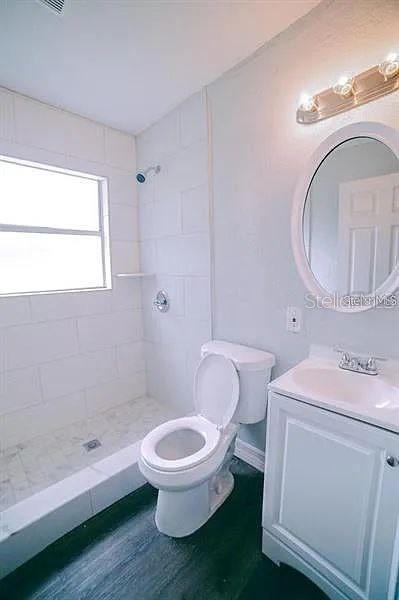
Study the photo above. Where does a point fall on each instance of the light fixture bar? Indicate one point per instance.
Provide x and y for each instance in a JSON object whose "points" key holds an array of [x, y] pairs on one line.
{"points": [[350, 92]]}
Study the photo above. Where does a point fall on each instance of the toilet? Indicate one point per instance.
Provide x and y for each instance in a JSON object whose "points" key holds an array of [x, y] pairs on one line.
{"points": [[188, 459]]}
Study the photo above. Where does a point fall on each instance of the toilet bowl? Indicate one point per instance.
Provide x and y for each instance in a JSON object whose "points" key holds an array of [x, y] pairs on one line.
{"points": [[188, 459]]}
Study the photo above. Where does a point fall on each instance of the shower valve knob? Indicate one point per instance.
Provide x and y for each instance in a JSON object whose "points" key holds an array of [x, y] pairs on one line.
{"points": [[392, 461], [161, 301]]}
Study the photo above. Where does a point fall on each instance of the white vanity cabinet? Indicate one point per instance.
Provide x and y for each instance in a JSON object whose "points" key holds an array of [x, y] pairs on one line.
{"points": [[331, 499]]}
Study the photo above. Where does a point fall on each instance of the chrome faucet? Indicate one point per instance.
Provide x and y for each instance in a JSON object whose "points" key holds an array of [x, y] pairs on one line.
{"points": [[358, 364]]}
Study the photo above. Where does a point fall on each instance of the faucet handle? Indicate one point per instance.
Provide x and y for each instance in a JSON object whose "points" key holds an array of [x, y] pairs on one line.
{"points": [[378, 358], [345, 354], [372, 361], [371, 364]]}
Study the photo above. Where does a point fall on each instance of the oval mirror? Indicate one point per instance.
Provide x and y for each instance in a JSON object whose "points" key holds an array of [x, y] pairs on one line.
{"points": [[350, 225]]}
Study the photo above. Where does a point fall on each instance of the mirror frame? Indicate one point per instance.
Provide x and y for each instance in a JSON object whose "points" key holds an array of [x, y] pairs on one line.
{"points": [[380, 132]]}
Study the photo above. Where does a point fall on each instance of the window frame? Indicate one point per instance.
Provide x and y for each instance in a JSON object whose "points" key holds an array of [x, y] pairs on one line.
{"points": [[103, 229]]}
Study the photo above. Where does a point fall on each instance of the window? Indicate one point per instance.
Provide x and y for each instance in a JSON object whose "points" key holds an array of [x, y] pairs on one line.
{"points": [[52, 229]]}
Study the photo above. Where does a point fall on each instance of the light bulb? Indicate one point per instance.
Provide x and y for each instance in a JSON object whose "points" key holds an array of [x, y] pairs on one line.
{"points": [[344, 86], [390, 66], [308, 103]]}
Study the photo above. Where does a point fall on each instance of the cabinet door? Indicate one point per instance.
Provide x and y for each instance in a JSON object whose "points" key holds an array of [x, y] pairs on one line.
{"points": [[331, 496]]}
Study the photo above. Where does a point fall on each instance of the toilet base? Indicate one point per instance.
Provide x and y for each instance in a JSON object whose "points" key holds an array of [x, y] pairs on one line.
{"points": [[225, 488], [180, 513]]}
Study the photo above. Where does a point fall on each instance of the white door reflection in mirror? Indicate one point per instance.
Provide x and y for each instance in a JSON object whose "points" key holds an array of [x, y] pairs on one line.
{"points": [[368, 233]]}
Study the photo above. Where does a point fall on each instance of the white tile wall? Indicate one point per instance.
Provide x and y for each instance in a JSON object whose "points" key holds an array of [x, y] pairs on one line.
{"points": [[25, 424], [174, 244], [39, 125], [130, 358], [148, 260], [74, 304], [6, 115], [123, 223], [65, 356], [167, 379], [14, 310], [184, 255], [84, 138], [120, 149], [126, 293], [72, 374], [124, 257], [33, 344], [193, 117], [18, 389], [115, 392], [161, 218], [198, 301], [159, 141], [105, 331], [195, 210], [188, 168], [122, 187]]}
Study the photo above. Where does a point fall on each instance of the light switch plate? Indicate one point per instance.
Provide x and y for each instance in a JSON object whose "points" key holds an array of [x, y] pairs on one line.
{"points": [[294, 319]]}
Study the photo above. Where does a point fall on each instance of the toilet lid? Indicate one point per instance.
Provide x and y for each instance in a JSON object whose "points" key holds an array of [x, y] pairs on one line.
{"points": [[216, 389]]}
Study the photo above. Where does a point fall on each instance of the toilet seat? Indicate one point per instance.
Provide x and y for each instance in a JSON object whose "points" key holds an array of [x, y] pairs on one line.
{"points": [[205, 428], [216, 393]]}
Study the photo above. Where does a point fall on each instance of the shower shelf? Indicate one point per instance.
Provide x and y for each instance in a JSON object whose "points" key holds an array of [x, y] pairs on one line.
{"points": [[134, 275]]}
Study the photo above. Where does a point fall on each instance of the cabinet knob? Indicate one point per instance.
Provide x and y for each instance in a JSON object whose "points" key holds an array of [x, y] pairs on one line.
{"points": [[392, 461]]}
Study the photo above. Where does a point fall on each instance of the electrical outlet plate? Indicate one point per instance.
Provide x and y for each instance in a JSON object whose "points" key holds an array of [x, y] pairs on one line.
{"points": [[294, 319]]}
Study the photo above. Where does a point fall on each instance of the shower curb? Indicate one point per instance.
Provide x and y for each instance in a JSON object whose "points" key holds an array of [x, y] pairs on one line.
{"points": [[31, 525]]}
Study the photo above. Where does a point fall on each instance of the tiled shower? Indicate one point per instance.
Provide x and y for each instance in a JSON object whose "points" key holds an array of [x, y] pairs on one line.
{"points": [[86, 374], [72, 365]]}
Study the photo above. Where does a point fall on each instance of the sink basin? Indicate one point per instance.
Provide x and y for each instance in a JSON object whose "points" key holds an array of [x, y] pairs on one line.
{"points": [[319, 381], [344, 386]]}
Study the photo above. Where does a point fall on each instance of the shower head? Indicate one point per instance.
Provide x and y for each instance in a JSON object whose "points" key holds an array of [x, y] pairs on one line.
{"points": [[141, 176]]}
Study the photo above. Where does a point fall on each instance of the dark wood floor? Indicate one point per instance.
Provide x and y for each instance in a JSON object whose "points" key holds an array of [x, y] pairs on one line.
{"points": [[119, 554]]}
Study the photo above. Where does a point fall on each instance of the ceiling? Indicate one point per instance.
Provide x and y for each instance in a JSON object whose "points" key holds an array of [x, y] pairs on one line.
{"points": [[126, 63]]}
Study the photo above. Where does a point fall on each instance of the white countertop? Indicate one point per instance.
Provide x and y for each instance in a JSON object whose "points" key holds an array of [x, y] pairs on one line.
{"points": [[318, 381]]}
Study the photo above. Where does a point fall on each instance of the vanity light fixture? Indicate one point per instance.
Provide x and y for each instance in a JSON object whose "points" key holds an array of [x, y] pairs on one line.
{"points": [[351, 91], [390, 66], [344, 86], [308, 103]]}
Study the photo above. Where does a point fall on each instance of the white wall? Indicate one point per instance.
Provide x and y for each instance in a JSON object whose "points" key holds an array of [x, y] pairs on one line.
{"points": [[174, 230], [259, 151], [67, 356]]}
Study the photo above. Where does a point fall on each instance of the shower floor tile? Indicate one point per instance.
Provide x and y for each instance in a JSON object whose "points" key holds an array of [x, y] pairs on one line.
{"points": [[34, 465]]}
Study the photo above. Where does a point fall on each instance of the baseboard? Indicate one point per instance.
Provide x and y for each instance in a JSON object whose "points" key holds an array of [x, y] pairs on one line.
{"points": [[250, 454]]}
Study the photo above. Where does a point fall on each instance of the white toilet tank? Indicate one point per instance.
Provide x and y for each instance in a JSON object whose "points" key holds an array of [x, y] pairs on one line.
{"points": [[254, 369]]}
